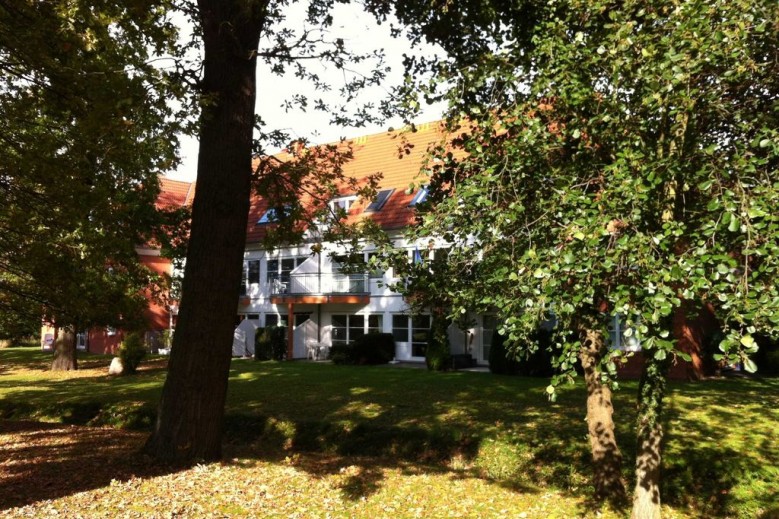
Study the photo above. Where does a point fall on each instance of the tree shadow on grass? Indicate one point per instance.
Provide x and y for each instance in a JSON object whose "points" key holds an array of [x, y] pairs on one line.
{"points": [[358, 423], [721, 457], [46, 461]]}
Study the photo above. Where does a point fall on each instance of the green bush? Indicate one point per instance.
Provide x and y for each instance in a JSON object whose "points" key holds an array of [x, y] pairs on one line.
{"points": [[767, 356], [343, 353], [373, 348], [270, 343], [131, 352], [500, 363], [438, 355], [538, 363]]}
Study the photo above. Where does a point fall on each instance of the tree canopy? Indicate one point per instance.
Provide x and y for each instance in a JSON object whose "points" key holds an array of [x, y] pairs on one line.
{"points": [[620, 159], [87, 127]]}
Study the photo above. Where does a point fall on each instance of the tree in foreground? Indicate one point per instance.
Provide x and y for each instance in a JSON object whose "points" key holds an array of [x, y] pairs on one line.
{"points": [[624, 161], [190, 414], [86, 131]]}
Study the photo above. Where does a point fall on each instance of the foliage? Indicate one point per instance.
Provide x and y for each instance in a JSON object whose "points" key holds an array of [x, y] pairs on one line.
{"points": [[438, 355], [166, 338], [19, 326], [501, 361], [87, 130], [131, 352], [767, 356], [620, 158], [371, 348], [270, 343]]}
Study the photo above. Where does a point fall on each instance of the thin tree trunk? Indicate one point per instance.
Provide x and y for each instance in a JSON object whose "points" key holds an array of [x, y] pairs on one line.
{"points": [[646, 496], [65, 350], [606, 457], [191, 411]]}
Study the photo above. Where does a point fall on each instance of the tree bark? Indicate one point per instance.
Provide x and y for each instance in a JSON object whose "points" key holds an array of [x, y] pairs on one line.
{"points": [[65, 350], [191, 411], [651, 389], [606, 456]]}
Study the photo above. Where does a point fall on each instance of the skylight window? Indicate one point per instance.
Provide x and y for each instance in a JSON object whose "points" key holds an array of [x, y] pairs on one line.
{"points": [[381, 199], [273, 215], [420, 197]]}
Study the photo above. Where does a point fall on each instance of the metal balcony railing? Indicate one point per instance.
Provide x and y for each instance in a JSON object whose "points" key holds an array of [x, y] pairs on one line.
{"points": [[318, 284]]}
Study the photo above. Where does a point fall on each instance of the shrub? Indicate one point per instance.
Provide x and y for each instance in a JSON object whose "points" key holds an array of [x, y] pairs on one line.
{"points": [[131, 352], [373, 348], [438, 355], [262, 344], [500, 363], [343, 353], [538, 363], [166, 338], [270, 343], [376, 348], [767, 356]]}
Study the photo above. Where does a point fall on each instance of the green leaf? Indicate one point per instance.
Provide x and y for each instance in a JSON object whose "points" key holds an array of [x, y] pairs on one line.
{"points": [[749, 365], [660, 354], [747, 341], [735, 224]]}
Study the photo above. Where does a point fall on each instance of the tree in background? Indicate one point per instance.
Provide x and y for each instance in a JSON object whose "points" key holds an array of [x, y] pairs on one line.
{"points": [[86, 129], [620, 159]]}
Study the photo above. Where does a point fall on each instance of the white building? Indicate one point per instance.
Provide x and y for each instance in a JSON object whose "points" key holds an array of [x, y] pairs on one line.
{"points": [[321, 304]]}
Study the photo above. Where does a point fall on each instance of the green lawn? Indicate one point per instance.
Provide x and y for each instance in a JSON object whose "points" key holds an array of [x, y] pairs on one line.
{"points": [[499, 435]]}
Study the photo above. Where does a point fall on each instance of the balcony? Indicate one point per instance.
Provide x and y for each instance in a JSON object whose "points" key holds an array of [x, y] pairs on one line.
{"points": [[319, 287]]}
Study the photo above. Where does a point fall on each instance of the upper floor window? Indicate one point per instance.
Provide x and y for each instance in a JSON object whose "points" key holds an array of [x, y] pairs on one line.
{"points": [[251, 274], [341, 204], [420, 197], [280, 269]]}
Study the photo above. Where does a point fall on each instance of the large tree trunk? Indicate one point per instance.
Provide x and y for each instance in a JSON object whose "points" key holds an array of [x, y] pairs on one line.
{"points": [[646, 496], [606, 457], [65, 350], [190, 414]]}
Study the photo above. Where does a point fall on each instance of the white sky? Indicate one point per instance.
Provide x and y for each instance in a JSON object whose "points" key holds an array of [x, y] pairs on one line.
{"points": [[361, 34]]}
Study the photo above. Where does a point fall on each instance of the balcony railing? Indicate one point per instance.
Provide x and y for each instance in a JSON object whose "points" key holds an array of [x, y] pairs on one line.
{"points": [[318, 284]]}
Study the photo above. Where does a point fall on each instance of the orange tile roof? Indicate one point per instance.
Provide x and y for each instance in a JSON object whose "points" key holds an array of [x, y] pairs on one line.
{"points": [[397, 155], [175, 193]]}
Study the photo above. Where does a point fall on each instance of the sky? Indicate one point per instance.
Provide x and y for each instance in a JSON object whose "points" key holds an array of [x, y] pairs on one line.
{"points": [[361, 34]]}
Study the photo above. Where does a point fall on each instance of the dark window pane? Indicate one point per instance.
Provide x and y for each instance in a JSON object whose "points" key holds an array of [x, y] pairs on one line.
{"points": [[339, 320], [420, 321], [356, 321], [254, 271], [273, 269]]}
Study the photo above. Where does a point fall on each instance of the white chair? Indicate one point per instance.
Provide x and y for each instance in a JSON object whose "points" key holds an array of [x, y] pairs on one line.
{"points": [[279, 287], [312, 349]]}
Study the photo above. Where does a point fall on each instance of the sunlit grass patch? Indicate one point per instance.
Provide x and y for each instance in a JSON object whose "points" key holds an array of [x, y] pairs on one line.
{"points": [[315, 439]]}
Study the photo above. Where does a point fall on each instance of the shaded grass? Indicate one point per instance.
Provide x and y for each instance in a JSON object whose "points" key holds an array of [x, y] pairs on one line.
{"points": [[721, 456]]}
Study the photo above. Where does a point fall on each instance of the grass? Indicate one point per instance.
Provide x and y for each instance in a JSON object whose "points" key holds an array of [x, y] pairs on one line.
{"points": [[362, 441]]}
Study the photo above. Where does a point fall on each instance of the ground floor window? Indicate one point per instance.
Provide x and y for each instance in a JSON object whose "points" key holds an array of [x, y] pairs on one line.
{"points": [[348, 328], [622, 337], [276, 320], [412, 329]]}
